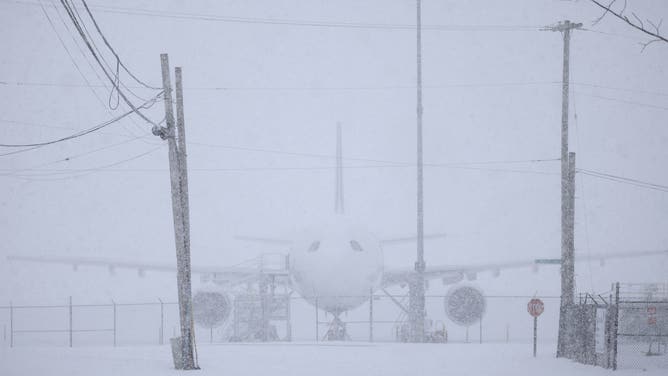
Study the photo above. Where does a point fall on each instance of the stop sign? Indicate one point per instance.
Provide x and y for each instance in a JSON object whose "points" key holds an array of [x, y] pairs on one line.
{"points": [[535, 307]]}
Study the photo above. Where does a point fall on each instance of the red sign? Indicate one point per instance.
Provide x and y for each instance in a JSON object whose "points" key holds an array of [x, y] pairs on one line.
{"points": [[535, 307]]}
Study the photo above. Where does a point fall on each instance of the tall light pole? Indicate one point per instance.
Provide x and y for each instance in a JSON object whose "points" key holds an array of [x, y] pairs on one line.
{"points": [[416, 287]]}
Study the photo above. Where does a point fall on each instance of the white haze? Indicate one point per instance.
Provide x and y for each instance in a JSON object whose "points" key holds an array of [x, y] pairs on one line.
{"points": [[489, 95]]}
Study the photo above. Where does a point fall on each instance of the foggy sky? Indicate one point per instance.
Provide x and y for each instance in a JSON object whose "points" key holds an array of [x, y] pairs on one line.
{"points": [[490, 95]]}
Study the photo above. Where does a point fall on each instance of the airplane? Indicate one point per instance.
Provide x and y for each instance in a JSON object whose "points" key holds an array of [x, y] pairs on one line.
{"points": [[334, 265]]}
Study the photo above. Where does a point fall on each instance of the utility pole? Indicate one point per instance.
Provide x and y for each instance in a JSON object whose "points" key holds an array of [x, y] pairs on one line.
{"points": [[175, 136], [416, 286], [567, 233]]}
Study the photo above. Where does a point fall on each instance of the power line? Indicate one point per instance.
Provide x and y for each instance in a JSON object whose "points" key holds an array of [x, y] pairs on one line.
{"points": [[623, 180], [84, 172], [296, 22], [346, 88], [83, 132], [97, 27], [624, 101], [74, 156], [329, 156], [307, 168], [79, 23], [49, 126], [82, 33], [62, 42]]}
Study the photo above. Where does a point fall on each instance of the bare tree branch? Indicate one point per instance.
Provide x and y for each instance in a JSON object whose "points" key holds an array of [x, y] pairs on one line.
{"points": [[638, 24], [607, 9]]}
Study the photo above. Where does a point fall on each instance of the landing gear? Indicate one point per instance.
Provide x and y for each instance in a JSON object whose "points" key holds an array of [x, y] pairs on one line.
{"points": [[336, 331]]}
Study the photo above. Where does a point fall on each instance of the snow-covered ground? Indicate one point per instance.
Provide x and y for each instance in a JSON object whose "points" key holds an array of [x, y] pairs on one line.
{"points": [[310, 359]]}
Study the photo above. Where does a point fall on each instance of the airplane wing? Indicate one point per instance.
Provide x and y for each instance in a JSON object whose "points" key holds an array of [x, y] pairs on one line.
{"points": [[247, 271], [451, 274]]}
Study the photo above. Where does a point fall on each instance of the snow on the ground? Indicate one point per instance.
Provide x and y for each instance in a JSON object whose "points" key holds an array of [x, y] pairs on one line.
{"points": [[323, 359]]}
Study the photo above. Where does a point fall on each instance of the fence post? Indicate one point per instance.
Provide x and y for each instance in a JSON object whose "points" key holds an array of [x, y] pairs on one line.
{"points": [[161, 336], [70, 326], [114, 305], [535, 334], [11, 324], [289, 323], [615, 328], [316, 319], [371, 315]]}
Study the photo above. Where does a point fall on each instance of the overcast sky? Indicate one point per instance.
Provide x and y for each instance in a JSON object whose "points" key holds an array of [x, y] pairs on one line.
{"points": [[266, 82]]}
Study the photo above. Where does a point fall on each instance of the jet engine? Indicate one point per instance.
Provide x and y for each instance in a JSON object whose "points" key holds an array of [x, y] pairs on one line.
{"points": [[211, 308], [464, 305]]}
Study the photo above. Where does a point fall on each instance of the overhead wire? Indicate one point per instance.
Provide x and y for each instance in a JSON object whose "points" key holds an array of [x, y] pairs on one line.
{"points": [[87, 60], [354, 88], [118, 59], [296, 22], [84, 132], [117, 83], [84, 172], [307, 168], [82, 33], [623, 180], [62, 43]]}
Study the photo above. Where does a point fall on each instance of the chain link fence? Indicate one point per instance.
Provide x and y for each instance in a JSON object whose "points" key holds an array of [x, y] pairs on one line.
{"points": [[642, 337], [625, 328], [380, 318]]}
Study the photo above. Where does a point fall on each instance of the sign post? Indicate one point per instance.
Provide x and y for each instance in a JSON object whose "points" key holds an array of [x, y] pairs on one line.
{"points": [[535, 307]]}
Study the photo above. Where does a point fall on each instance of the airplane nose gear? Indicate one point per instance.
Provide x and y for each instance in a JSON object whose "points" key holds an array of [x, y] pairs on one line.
{"points": [[336, 331]]}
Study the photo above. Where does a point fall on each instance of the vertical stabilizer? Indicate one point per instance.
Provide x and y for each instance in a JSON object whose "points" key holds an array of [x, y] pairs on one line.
{"points": [[338, 205]]}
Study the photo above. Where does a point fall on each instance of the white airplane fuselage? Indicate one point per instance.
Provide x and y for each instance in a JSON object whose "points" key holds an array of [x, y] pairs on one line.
{"points": [[336, 265]]}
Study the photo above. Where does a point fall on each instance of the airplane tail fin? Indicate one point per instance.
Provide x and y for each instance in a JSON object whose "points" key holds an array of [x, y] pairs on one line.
{"points": [[338, 203]]}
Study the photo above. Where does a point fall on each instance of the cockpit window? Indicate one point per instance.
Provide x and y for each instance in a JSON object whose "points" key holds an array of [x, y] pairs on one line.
{"points": [[356, 246], [314, 246]]}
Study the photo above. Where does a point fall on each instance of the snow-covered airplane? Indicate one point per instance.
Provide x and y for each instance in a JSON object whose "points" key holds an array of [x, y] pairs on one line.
{"points": [[335, 264]]}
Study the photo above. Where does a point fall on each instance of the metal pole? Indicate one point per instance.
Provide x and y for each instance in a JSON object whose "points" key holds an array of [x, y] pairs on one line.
{"points": [[114, 305], [507, 333], [615, 328], [180, 235], [70, 327], [416, 288], [289, 322], [162, 322], [264, 309], [371, 315], [480, 330], [316, 320], [535, 334]]}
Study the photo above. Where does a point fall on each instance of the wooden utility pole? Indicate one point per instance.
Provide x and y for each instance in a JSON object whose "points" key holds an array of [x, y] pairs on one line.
{"points": [[567, 233], [175, 136]]}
